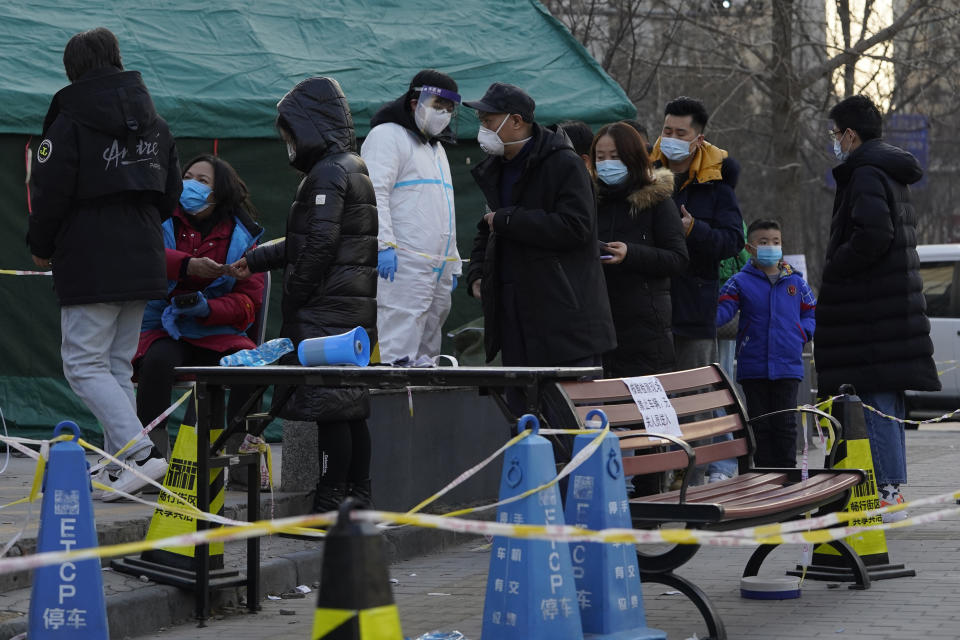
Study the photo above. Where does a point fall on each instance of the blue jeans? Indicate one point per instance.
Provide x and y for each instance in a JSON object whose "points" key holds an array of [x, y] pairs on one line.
{"points": [[887, 440], [699, 352]]}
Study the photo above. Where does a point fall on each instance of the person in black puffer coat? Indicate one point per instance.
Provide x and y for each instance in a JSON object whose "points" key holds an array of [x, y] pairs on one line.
{"points": [[329, 257], [872, 327], [105, 177], [644, 247]]}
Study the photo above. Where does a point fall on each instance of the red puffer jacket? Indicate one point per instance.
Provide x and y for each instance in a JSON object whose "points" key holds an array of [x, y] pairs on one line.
{"points": [[237, 308]]}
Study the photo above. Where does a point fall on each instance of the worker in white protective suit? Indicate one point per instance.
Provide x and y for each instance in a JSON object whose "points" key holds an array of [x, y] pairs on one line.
{"points": [[418, 259]]}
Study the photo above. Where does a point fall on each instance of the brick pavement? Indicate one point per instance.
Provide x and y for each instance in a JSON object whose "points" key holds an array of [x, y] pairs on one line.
{"points": [[445, 591]]}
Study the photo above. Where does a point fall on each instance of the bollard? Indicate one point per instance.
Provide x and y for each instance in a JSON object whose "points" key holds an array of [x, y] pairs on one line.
{"points": [[66, 600], [355, 601], [607, 575], [853, 452], [531, 594]]}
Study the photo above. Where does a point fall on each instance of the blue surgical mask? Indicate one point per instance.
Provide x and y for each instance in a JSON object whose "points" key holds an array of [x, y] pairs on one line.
{"points": [[839, 152], [769, 255], [612, 171], [675, 149], [193, 200]]}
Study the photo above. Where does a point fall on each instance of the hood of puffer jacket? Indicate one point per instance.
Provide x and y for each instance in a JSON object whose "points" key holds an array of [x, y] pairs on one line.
{"points": [[108, 100], [652, 194], [707, 165], [317, 114], [900, 165]]}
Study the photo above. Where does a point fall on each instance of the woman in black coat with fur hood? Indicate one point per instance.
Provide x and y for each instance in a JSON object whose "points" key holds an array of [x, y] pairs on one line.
{"points": [[642, 247]]}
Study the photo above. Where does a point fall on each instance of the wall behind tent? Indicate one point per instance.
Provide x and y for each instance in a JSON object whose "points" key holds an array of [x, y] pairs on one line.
{"points": [[33, 393]]}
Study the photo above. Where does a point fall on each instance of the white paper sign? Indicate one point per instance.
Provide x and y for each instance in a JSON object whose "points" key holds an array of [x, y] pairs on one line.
{"points": [[659, 416]]}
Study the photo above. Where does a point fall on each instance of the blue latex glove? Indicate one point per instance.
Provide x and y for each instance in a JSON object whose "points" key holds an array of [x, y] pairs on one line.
{"points": [[453, 287], [169, 321], [199, 310], [387, 263]]}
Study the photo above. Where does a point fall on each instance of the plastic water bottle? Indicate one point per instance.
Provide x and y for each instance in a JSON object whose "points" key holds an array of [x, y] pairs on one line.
{"points": [[265, 354], [442, 635]]}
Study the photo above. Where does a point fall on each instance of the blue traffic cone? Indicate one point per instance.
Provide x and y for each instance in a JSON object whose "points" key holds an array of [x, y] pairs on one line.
{"points": [[607, 576], [530, 588], [352, 347], [67, 599]]}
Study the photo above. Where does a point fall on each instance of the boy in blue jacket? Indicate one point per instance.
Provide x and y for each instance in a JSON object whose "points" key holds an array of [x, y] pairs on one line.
{"points": [[776, 320]]}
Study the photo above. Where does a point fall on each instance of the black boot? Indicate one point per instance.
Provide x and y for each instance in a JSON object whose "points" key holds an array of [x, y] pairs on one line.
{"points": [[362, 492], [328, 496]]}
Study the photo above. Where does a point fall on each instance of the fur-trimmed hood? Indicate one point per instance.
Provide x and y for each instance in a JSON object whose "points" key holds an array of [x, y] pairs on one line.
{"points": [[652, 194]]}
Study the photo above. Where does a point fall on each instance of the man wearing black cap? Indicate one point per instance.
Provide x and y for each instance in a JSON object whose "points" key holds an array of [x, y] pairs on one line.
{"points": [[535, 263]]}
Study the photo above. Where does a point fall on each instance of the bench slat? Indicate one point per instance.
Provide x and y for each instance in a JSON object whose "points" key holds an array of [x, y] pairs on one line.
{"points": [[839, 483], [712, 492], [784, 492], [670, 460], [691, 432], [614, 389], [753, 495], [627, 414]]}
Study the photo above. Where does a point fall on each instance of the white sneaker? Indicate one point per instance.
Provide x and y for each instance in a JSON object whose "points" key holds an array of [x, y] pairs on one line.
{"points": [[717, 476], [128, 482], [102, 477]]}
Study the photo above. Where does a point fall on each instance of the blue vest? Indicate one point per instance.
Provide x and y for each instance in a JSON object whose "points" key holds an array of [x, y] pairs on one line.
{"points": [[241, 241]]}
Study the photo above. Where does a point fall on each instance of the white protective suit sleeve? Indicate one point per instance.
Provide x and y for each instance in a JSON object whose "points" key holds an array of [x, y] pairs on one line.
{"points": [[382, 154]]}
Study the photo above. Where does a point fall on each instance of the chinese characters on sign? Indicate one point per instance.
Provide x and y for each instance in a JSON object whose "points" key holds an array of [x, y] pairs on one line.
{"points": [[659, 416]]}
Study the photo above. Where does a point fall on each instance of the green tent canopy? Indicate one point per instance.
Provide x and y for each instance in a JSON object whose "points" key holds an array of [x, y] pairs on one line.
{"points": [[216, 72]]}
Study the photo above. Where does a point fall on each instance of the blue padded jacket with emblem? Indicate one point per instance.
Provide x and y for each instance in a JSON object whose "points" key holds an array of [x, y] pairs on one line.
{"points": [[776, 320]]}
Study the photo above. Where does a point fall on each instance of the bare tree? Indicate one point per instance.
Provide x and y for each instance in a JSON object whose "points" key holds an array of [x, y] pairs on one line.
{"points": [[769, 71]]}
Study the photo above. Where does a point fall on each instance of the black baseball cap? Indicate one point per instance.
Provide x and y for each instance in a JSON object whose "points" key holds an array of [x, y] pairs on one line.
{"points": [[505, 98]]}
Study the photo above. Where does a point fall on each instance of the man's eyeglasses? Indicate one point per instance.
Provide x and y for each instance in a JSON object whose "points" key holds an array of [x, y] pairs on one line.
{"points": [[834, 133]]}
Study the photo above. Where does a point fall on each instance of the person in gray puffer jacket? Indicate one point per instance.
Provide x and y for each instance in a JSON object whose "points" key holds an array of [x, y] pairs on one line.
{"points": [[329, 258]]}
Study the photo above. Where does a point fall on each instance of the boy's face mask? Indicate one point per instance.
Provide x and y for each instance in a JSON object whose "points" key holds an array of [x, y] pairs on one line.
{"points": [[769, 255]]}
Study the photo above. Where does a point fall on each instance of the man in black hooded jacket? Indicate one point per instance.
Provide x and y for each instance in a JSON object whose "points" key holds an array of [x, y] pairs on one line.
{"points": [[105, 176], [535, 263], [872, 327]]}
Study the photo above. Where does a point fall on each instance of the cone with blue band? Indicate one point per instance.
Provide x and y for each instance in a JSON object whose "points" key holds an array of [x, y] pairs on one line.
{"points": [[67, 600], [607, 575], [531, 594]]}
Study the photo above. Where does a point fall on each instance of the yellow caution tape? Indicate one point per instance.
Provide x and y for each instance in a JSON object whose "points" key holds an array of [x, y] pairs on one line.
{"points": [[428, 256], [19, 272], [748, 537]]}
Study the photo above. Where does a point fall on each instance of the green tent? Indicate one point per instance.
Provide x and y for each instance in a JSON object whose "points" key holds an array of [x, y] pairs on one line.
{"points": [[216, 72]]}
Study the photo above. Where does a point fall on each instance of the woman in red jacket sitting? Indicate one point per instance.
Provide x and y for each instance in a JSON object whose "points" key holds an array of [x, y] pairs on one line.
{"points": [[207, 312]]}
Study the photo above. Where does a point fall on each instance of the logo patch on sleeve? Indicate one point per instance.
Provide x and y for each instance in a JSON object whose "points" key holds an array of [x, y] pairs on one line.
{"points": [[321, 199], [44, 151]]}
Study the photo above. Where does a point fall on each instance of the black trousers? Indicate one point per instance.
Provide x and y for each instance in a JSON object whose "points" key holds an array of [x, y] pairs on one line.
{"points": [[156, 378], [777, 435], [343, 452]]}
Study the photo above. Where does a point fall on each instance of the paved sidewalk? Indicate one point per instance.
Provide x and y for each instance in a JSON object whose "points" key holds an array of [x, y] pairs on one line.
{"points": [[445, 591]]}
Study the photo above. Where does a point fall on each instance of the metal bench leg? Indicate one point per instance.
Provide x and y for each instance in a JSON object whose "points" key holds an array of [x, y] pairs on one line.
{"points": [[696, 595], [756, 559], [855, 562]]}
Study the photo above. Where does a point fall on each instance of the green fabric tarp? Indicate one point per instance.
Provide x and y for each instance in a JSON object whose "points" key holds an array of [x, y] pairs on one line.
{"points": [[216, 72], [218, 69]]}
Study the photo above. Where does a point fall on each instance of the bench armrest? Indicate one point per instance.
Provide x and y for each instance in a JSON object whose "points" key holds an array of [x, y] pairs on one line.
{"points": [[687, 449]]}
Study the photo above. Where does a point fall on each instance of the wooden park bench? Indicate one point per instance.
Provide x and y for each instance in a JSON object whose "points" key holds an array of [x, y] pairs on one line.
{"points": [[707, 405]]}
